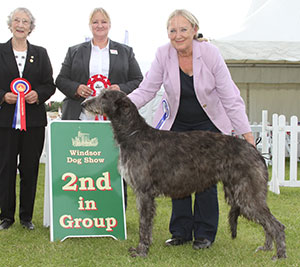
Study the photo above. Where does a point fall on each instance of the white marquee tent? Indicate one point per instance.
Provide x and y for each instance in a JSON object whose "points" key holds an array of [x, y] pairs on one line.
{"points": [[264, 58]]}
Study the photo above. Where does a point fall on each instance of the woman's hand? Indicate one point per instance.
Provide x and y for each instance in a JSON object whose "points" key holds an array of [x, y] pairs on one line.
{"points": [[249, 138], [84, 91], [10, 98], [32, 97], [114, 87]]}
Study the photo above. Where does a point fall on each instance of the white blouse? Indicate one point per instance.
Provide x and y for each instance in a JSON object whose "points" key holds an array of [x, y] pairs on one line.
{"points": [[99, 61], [99, 64], [20, 59]]}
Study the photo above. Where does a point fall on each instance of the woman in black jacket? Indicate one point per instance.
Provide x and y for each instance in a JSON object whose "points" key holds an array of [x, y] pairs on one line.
{"points": [[25, 69]]}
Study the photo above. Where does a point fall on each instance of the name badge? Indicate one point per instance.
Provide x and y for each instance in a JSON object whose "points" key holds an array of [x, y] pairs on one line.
{"points": [[114, 51]]}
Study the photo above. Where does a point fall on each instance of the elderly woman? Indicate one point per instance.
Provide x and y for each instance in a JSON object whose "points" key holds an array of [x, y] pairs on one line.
{"points": [[20, 59], [199, 95], [102, 56]]}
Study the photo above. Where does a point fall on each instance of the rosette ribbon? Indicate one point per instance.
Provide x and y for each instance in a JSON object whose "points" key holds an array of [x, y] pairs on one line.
{"points": [[20, 87], [97, 83]]}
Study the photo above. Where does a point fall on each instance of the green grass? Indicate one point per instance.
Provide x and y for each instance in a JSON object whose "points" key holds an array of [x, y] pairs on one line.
{"points": [[19, 247]]}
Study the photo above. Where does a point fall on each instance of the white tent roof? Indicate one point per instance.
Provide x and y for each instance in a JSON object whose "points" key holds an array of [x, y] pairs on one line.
{"points": [[271, 32]]}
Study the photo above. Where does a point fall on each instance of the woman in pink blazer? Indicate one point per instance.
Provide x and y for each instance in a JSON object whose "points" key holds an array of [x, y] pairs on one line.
{"points": [[199, 95]]}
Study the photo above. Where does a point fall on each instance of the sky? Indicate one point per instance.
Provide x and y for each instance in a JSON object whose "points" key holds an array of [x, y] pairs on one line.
{"points": [[64, 23]]}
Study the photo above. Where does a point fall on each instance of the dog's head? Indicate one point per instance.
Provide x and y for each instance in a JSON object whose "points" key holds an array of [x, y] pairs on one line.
{"points": [[108, 103]]}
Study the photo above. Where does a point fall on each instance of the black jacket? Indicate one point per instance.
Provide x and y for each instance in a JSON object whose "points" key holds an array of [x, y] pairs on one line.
{"points": [[123, 70], [38, 71]]}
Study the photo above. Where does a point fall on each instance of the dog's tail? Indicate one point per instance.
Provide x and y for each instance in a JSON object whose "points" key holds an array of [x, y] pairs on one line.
{"points": [[233, 218]]}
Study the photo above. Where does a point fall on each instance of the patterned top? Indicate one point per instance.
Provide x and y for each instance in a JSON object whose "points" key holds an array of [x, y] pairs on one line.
{"points": [[20, 59]]}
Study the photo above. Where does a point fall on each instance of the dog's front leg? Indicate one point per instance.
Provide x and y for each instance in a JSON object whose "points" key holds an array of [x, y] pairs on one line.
{"points": [[146, 207]]}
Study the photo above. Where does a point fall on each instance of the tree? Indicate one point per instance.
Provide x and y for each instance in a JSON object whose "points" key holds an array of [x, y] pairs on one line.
{"points": [[53, 106]]}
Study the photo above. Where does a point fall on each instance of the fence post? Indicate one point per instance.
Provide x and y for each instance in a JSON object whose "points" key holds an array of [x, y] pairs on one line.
{"points": [[293, 148], [281, 148], [274, 183], [264, 133]]}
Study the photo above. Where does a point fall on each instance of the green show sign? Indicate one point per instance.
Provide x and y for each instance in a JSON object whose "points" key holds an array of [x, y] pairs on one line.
{"points": [[86, 190]]}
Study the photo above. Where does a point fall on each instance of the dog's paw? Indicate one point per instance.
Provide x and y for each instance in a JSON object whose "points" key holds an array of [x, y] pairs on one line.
{"points": [[279, 256], [263, 248], [132, 252], [131, 249], [274, 258], [136, 252]]}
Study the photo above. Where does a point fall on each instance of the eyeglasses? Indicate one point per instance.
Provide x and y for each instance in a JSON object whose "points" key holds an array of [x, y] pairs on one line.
{"points": [[183, 31], [24, 21]]}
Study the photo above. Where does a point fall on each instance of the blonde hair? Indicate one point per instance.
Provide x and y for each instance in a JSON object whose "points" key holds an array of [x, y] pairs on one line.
{"points": [[101, 10], [189, 16]]}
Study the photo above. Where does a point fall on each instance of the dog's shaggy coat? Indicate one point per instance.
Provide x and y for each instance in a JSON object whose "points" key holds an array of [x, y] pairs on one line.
{"points": [[156, 162]]}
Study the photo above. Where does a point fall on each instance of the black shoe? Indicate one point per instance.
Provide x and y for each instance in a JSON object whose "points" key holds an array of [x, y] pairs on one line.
{"points": [[28, 225], [175, 241], [5, 224], [201, 243]]}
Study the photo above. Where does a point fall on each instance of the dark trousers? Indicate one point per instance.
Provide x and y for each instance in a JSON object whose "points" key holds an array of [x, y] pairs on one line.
{"points": [[203, 222], [29, 146]]}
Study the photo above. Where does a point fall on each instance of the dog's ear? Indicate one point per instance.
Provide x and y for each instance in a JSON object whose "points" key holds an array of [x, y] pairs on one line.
{"points": [[123, 105], [122, 102]]}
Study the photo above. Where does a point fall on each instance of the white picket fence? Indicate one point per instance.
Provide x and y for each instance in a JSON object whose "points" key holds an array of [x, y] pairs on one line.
{"points": [[279, 141]]}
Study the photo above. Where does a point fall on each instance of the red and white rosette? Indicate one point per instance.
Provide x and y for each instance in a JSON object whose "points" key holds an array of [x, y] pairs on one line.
{"points": [[20, 87], [97, 83]]}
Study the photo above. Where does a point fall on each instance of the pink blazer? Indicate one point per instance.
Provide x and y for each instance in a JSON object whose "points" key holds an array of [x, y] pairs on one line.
{"points": [[215, 90]]}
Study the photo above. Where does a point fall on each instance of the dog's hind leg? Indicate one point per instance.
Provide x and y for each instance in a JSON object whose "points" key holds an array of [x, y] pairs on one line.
{"points": [[268, 240], [146, 207], [274, 230], [280, 240], [233, 218]]}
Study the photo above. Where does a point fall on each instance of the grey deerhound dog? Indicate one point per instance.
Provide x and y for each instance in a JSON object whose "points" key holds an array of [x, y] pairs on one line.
{"points": [[177, 164]]}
